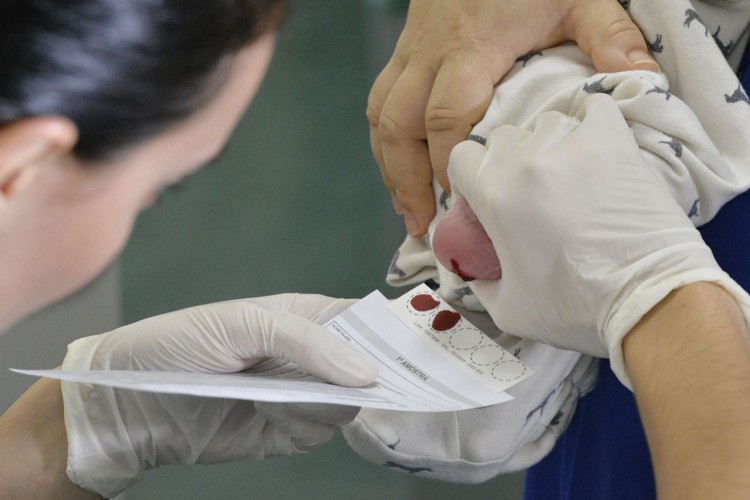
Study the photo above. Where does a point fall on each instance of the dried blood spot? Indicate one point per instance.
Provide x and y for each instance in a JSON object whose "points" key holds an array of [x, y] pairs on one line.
{"points": [[445, 320], [424, 302]]}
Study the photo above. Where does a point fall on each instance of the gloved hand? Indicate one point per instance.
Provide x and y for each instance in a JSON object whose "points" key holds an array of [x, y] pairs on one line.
{"points": [[115, 434], [589, 237]]}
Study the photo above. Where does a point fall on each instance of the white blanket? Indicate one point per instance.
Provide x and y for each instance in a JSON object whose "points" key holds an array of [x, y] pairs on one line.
{"points": [[693, 124]]}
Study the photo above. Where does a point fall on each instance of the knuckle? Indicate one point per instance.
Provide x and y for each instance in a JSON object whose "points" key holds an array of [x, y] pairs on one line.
{"points": [[621, 28], [539, 165], [411, 194], [442, 118], [389, 128]]}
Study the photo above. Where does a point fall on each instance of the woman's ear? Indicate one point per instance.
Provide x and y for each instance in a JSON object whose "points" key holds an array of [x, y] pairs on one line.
{"points": [[29, 142]]}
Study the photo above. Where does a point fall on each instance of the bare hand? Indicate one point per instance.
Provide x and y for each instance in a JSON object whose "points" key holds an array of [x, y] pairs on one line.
{"points": [[440, 79]]}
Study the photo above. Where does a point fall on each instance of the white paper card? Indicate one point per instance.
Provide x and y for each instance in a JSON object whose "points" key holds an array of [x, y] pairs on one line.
{"points": [[415, 374], [432, 318]]}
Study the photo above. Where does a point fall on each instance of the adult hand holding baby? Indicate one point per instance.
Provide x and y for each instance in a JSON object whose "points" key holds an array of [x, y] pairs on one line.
{"points": [[440, 79]]}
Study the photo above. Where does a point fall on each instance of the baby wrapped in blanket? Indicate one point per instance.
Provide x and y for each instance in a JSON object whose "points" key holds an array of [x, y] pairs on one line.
{"points": [[692, 123]]}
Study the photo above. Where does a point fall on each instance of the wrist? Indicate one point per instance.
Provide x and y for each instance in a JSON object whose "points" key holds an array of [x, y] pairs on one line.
{"points": [[689, 361], [35, 448]]}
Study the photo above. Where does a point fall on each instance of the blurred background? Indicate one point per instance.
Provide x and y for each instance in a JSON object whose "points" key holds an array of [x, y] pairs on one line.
{"points": [[296, 204]]}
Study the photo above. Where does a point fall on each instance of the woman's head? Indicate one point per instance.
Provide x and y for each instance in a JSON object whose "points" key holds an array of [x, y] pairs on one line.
{"points": [[120, 70], [103, 103]]}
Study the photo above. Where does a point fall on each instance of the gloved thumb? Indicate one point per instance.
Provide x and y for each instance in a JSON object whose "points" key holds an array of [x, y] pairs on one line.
{"points": [[605, 32], [317, 308], [315, 350]]}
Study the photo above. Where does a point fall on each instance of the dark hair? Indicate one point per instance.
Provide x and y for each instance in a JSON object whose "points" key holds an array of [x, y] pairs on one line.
{"points": [[121, 70]]}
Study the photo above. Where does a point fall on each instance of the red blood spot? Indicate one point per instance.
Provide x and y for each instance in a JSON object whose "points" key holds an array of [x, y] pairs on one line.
{"points": [[457, 270], [445, 320], [424, 302]]}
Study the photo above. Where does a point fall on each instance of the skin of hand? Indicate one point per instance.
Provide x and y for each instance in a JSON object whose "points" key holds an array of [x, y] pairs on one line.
{"points": [[34, 447], [689, 361], [440, 79]]}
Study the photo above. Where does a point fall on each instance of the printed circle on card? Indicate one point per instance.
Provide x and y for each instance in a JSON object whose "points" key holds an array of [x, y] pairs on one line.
{"points": [[465, 339], [509, 370], [487, 355]]}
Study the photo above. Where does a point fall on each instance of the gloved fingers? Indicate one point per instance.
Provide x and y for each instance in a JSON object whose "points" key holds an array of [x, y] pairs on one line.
{"points": [[187, 340], [317, 308], [505, 140], [464, 167], [232, 336], [292, 433], [503, 146], [599, 113], [550, 129], [311, 347], [477, 173]]}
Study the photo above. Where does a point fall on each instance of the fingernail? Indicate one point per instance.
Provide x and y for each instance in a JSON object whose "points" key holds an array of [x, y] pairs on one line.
{"points": [[412, 226], [640, 59]]}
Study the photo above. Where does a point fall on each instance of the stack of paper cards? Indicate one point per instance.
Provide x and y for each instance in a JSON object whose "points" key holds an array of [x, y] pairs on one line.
{"points": [[430, 359]]}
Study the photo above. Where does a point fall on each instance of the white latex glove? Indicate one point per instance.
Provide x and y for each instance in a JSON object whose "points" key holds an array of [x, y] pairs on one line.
{"points": [[588, 236], [115, 434]]}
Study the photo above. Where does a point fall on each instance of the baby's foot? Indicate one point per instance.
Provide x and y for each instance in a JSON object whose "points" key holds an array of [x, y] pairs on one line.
{"points": [[462, 245]]}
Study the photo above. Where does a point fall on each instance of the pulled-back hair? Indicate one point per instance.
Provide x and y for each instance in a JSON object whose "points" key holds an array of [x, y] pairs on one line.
{"points": [[121, 70]]}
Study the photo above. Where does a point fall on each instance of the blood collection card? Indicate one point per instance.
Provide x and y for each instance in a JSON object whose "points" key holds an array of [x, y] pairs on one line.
{"points": [[427, 315], [429, 359]]}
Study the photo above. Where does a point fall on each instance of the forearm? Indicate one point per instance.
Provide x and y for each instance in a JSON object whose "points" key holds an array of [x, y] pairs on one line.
{"points": [[34, 447], [689, 361]]}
